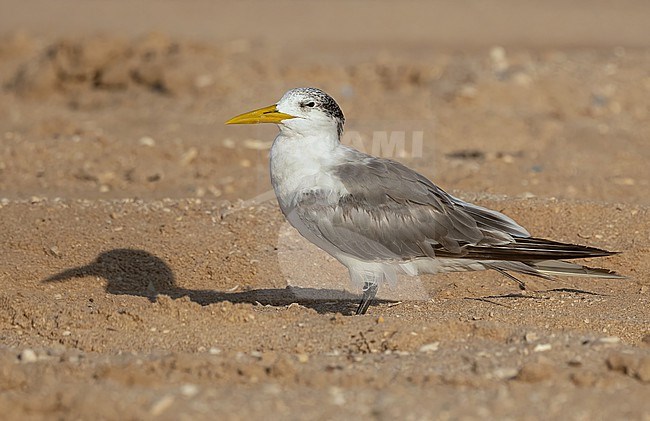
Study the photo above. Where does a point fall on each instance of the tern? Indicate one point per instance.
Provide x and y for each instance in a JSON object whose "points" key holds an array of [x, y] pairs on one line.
{"points": [[381, 219]]}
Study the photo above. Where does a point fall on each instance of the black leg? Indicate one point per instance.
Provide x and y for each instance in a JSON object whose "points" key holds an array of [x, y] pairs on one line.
{"points": [[522, 285], [369, 292]]}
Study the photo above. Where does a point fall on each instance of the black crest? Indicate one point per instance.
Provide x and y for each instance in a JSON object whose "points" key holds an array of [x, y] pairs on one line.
{"points": [[326, 103]]}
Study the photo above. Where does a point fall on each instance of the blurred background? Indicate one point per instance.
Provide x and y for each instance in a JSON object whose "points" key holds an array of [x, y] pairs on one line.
{"points": [[115, 99]]}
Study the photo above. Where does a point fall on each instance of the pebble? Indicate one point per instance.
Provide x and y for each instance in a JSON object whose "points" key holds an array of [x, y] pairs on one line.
{"points": [[430, 347], [189, 390], [624, 181], [54, 251], [542, 347], [531, 337], [498, 58], [468, 91], [609, 340], [28, 355], [522, 79], [337, 395], [147, 141], [203, 81], [161, 405], [189, 156], [505, 373]]}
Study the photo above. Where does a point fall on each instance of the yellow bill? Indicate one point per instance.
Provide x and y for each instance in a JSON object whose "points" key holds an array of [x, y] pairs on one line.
{"points": [[268, 114]]}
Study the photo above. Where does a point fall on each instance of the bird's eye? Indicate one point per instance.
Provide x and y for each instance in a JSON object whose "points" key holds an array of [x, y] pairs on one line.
{"points": [[310, 104]]}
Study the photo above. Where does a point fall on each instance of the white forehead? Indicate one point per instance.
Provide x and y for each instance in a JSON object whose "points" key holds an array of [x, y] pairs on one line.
{"points": [[298, 95], [295, 98]]}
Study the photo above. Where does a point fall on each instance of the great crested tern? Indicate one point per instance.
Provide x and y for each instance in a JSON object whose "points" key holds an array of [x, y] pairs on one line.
{"points": [[381, 219]]}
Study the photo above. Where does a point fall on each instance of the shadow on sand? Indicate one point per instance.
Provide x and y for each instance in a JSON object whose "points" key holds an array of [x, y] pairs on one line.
{"points": [[140, 273]]}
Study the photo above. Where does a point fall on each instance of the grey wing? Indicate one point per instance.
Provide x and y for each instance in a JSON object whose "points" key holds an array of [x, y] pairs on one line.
{"points": [[408, 186], [376, 232], [394, 213]]}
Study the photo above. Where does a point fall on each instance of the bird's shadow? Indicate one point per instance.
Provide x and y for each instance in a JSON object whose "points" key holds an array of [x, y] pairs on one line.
{"points": [[140, 273]]}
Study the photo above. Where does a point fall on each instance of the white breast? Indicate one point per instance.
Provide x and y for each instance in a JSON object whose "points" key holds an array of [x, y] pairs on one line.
{"points": [[304, 164]]}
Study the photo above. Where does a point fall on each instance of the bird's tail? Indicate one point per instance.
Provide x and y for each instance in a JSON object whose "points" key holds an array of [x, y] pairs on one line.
{"points": [[540, 257], [549, 268], [563, 268]]}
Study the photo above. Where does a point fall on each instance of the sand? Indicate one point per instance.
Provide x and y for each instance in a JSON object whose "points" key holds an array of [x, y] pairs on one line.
{"points": [[147, 271]]}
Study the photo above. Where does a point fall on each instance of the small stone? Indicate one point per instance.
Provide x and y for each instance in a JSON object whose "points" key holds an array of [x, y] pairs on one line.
{"points": [[337, 395], [189, 390], [303, 358], [505, 373], [575, 362], [531, 337], [54, 251], [147, 141], [624, 181], [74, 359], [203, 81], [542, 347], [430, 347], [189, 156], [609, 340], [214, 351], [468, 91], [28, 355], [161, 405], [154, 177], [498, 58], [216, 192], [522, 79]]}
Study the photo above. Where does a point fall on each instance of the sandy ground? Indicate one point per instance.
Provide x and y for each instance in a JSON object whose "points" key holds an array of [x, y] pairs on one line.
{"points": [[147, 272]]}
